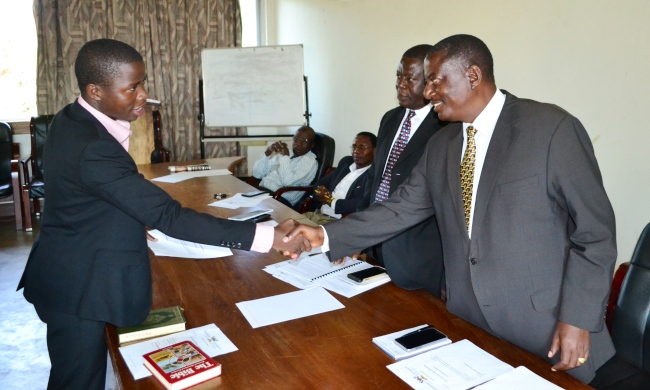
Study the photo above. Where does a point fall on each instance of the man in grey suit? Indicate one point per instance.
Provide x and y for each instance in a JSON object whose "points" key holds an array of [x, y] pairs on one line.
{"points": [[529, 254]]}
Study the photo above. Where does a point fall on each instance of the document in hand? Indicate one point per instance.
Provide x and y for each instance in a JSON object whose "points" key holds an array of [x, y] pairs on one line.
{"points": [[173, 247], [315, 269], [461, 365], [388, 345]]}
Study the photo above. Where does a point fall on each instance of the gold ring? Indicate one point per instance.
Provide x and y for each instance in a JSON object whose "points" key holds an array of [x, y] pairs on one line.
{"points": [[582, 360]]}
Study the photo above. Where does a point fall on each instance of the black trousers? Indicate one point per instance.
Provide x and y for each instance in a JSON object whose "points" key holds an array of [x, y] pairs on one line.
{"points": [[77, 350]]}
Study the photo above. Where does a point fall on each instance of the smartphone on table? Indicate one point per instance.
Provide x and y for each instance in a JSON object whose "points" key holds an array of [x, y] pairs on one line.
{"points": [[420, 338], [253, 193], [366, 275]]}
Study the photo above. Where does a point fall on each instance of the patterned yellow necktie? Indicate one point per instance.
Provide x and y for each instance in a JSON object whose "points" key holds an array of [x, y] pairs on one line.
{"points": [[467, 173]]}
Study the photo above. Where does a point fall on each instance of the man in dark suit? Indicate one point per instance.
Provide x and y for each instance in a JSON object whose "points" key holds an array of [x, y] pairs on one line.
{"points": [[341, 191], [529, 235], [413, 258], [89, 265]]}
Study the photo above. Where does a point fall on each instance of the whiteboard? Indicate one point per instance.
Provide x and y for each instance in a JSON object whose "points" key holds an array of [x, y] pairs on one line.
{"points": [[253, 86]]}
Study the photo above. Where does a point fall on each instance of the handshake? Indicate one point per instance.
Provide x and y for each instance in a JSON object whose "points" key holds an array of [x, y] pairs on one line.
{"points": [[292, 238]]}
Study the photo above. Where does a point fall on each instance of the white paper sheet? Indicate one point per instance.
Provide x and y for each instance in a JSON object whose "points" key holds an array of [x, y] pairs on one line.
{"points": [[181, 176], [520, 378], [458, 366], [236, 201], [387, 344], [173, 247], [209, 338], [289, 306]]}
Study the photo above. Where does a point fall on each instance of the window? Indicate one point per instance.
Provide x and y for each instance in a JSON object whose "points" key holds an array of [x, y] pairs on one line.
{"points": [[18, 61], [249, 20]]}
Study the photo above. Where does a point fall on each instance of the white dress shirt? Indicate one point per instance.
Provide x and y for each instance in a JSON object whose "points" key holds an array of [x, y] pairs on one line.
{"points": [[277, 171], [484, 125], [341, 190]]}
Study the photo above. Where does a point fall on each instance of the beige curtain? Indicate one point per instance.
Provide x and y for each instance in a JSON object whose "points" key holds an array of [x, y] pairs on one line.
{"points": [[169, 34]]}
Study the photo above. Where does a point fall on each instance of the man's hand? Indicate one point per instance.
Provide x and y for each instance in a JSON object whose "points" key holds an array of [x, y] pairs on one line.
{"points": [[151, 238], [289, 248], [341, 261], [323, 195], [314, 235], [573, 344]]}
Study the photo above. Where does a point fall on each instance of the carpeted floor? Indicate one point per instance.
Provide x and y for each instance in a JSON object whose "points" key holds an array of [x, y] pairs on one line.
{"points": [[24, 363]]}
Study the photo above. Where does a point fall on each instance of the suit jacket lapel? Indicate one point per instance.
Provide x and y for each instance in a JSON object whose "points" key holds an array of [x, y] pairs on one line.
{"points": [[454, 150], [500, 144], [422, 135]]}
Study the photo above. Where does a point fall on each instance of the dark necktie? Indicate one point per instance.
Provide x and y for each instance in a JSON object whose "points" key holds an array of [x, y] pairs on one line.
{"points": [[467, 173], [398, 147]]}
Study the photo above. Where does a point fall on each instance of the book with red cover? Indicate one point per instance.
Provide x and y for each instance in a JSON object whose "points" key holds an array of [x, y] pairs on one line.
{"points": [[181, 365]]}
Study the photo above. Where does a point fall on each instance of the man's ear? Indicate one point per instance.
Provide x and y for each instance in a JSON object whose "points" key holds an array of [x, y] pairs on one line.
{"points": [[475, 76], [93, 91]]}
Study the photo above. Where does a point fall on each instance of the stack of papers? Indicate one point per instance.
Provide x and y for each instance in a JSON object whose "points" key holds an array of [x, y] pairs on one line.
{"points": [[181, 176], [461, 365], [314, 269], [236, 201], [209, 338], [387, 344], [173, 247]]}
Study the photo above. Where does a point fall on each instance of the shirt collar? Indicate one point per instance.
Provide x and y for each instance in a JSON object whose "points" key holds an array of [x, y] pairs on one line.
{"points": [[421, 113], [119, 129], [486, 121]]}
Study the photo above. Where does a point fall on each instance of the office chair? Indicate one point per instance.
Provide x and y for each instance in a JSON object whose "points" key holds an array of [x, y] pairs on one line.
{"points": [[160, 153], [33, 184], [324, 148], [9, 176], [630, 367]]}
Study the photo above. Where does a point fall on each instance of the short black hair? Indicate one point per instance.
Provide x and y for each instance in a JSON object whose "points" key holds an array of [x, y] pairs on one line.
{"points": [[418, 52], [373, 138], [99, 60], [309, 131], [469, 50]]}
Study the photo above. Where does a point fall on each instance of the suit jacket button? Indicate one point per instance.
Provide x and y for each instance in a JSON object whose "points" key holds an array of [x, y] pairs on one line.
{"points": [[223, 243], [473, 261]]}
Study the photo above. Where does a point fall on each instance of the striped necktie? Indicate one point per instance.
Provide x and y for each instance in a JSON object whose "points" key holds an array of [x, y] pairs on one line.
{"points": [[398, 147], [467, 173]]}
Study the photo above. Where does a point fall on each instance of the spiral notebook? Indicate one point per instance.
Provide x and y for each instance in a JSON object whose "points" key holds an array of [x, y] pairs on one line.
{"points": [[316, 270]]}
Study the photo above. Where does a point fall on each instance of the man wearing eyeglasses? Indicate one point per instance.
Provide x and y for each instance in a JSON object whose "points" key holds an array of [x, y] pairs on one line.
{"points": [[278, 168], [341, 191]]}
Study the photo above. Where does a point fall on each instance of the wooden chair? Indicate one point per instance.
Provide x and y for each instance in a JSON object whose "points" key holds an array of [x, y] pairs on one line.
{"points": [[9, 175], [145, 143], [33, 184]]}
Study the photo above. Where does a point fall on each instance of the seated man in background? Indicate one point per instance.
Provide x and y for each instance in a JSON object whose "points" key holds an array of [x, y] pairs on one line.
{"points": [[348, 182], [278, 168]]}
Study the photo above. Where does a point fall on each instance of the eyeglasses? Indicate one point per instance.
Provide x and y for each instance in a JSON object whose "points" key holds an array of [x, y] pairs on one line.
{"points": [[298, 140], [360, 147]]}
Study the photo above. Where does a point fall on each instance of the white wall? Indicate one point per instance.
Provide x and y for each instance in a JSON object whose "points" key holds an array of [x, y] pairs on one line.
{"points": [[587, 56]]}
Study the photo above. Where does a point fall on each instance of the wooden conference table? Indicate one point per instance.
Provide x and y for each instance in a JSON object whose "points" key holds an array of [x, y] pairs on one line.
{"points": [[332, 350]]}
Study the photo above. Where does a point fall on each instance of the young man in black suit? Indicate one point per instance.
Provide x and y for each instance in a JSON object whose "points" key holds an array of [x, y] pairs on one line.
{"points": [[89, 265], [341, 191], [413, 258]]}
